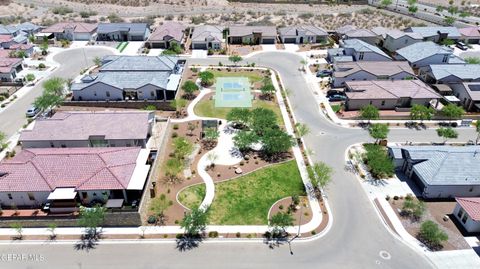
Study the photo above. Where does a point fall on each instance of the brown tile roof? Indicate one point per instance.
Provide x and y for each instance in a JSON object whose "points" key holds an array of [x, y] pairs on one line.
{"points": [[169, 28], [388, 89], [248, 30], [79, 27], [377, 68], [6, 64]]}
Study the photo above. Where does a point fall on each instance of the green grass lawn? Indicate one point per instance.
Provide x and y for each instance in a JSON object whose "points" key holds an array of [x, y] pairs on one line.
{"points": [[246, 200], [252, 76], [206, 108]]}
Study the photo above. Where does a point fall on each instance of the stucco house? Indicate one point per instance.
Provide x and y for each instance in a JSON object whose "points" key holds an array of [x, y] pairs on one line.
{"points": [[73, 31], [34, 176], [131, 78], [470, 35], [302, 34], [395, 40], [207, 37], [427, 53], [436, 33], [358, 50], [388, 94], [10, 30], [122, 32], [441, 171], [467, 212], [370, 70], [27, 48], [252, 35], [6, 41], [339, 32], [9, 68], [468, 93], [165, 34], [362, 34], [90, 129], [450, 73]]}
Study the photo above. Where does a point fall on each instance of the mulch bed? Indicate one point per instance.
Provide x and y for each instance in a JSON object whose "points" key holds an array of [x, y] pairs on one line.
{"points": [[435, 212], [302, 214]]}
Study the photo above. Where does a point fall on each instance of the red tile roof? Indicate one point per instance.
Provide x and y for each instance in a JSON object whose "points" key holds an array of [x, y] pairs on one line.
{"points": [[21, 46], [4, 53], [470, 32], [6, 64], [169, 28], [81, 168], [5, 38], [471, 205]]}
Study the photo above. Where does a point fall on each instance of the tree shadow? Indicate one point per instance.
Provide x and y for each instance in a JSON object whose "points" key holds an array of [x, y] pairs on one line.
{"points": [[275, 239], [89, 240], [187, 242]]}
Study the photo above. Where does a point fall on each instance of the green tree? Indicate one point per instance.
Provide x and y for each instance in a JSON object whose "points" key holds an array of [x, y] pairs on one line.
{"points": [[411, 2], [369, 112], [54, 85], [386, 3], [472, 60], [267, 90], [419, 112], [18, 229], [279, 222], [31, 38], [51, 228], [452, 10], [440, 9], [378, 162], [178, 105], [3, 137], [158, 206], [320, 175], [235, 59], [44, 47], [194, 222], [447, 133], [413, 208], [276, 141], [452, 111], [189, 87], [174, 49], [449, 21], [448, 42], [432, 235], [262, 119], [378, 131], [302, 129], [91, 218], [47, 101], [244, 139], [173, 167], [412, 9], [206, 78], [97, 61], [181, 147], [211, 134], [30, 77], [239, 116], [464, 14]]}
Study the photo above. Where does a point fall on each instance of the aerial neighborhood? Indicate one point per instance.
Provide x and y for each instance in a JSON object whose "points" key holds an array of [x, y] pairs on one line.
{"points": [[242, 125]]}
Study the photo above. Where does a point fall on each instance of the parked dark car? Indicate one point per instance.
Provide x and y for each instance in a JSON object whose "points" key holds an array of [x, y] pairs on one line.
{"points": [[337, 97], [461, 46], [324, 73], [334, 92]]}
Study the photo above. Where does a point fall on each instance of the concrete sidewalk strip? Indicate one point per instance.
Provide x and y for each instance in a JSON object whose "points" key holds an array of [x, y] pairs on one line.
{"points": [[455, 259]]}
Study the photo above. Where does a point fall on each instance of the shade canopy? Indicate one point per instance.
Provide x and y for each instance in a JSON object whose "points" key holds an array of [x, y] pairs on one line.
{"points": [[62, 194]]}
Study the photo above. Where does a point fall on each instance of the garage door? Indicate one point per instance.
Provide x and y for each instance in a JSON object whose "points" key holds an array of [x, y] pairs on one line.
{"points": [[269, 41], [199, 46], [290, 40], [158, 45]]}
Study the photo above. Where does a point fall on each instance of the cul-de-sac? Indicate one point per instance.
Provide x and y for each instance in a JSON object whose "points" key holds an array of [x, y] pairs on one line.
{"points": [[240, 134]]}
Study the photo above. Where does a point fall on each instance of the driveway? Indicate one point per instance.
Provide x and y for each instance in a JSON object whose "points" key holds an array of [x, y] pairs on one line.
{"points": [[71, 62], [132, 48]]}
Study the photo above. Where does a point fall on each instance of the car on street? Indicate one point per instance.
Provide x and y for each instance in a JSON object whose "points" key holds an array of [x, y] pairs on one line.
{"points": [[32, 111], [337, 97], [461, 46], [324, 73]]}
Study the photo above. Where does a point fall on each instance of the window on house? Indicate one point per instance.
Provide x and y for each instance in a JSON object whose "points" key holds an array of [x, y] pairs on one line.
{"points": [[107, 93], [361, 55], [31, 197], [152, 94], [371, 102], [84, 195], [406, 41], [460, 213], [464, 219], [9, 196], [383, 102], [445, 58], [94, 93]]}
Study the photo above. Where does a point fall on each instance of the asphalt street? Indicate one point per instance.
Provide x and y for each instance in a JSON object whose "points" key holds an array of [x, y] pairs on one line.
{"points": [[71, 62], [356, 239]]}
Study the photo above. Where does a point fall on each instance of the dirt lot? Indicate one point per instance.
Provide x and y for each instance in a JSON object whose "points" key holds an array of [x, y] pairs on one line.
{"points": [[192, 12], [435, 212]]}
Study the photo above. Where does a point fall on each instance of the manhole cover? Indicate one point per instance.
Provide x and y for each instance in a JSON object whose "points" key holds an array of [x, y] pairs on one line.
{"points": [[385, 255]]}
